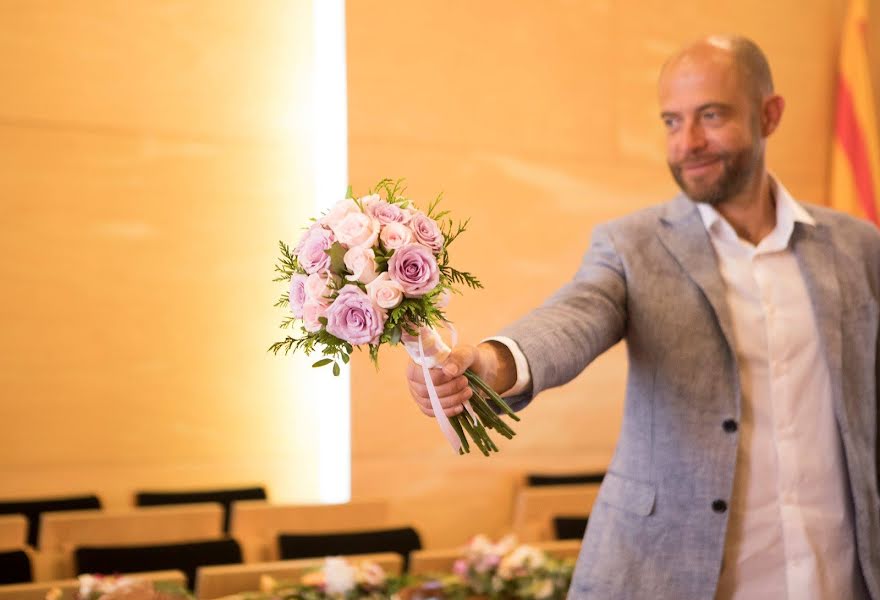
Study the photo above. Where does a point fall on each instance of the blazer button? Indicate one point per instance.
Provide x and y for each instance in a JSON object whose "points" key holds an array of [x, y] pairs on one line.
{"points": [[730, 426], [719, 506]]}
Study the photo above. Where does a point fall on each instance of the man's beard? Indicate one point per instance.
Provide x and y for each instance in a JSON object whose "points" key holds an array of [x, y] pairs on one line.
{"points": [[737, 169]]}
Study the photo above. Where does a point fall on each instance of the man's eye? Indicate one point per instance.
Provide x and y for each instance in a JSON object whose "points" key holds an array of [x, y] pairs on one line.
{"points": [[710, 115], [669, 122]]}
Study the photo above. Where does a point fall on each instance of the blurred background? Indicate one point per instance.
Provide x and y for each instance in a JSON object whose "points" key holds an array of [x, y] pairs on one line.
{"points": [[152, 154]]}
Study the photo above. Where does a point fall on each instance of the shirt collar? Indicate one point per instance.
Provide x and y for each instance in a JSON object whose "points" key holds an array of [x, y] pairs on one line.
{"points": [[788, 212]]}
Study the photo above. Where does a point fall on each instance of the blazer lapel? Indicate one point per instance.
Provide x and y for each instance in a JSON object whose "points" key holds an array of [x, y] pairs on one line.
{"points": [[683, 234], [816, 258]]}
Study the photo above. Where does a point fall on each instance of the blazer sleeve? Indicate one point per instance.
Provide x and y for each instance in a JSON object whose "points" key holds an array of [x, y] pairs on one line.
{"points": [[575, 325]]}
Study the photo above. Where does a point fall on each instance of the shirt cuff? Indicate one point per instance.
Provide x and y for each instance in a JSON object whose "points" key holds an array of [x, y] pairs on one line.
{"points": [[523, 376]]}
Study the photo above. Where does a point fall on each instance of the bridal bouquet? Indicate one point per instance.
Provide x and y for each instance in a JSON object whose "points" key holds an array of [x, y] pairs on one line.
{"points": [[375, 271]]}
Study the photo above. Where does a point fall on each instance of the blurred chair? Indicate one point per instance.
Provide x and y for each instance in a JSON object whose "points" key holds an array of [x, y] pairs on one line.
{"points": [[220, 581], [437, 560], [401, 540], [223, 496], [32, 509], [70, 587], [570, 528], [560, 549], [539, 479], [185, 557], [13, 531], [535, 507], [15, 567], [256, 525], [63, 531]]}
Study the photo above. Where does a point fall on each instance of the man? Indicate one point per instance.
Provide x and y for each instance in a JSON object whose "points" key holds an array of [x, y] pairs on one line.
{"points": [[747, 464]]}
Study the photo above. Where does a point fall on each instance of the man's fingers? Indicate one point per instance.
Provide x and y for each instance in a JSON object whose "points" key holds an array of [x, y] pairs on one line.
{"points": [[459, 360]]}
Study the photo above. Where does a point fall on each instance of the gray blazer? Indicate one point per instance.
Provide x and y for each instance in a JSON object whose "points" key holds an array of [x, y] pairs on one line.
{"points": [[652, 278]]}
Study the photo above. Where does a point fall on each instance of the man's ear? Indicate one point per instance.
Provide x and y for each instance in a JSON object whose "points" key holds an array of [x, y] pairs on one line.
{"points": [[771, 113]]}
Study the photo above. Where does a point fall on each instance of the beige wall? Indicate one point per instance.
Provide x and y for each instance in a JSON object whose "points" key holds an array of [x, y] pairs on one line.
{"points": [[152, 152], [151, 155], [538, 120]]}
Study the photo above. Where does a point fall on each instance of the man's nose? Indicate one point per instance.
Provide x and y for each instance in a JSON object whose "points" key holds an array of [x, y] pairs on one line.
{"points": [[693, 138]]}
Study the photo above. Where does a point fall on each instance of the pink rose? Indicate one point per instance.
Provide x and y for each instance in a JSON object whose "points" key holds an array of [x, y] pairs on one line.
{"points": [[385, 292], [357, 229], [415, 268], [395, 235], [312, 311], [318, 288], [297, 296], [311, 254], [427, 232], [339, 211], [354, 318], [362, 264], [386, 213]]}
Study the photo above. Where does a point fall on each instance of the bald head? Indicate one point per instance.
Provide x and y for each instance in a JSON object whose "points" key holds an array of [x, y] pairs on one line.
{"points": [[731, 51]]}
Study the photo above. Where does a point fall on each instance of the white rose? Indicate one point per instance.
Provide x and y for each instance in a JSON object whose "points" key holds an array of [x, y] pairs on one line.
{"points": [[385, 292], [357, 229], [340, 210], [340, 576], [312, 311], [395, 235], [317, 288], [362, 264]]}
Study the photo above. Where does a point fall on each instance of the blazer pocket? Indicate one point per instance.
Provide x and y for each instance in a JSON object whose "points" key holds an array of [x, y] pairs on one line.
{"points": [[629, 495]]}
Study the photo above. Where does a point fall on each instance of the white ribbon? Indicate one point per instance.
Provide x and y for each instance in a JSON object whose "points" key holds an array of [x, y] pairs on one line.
{"points": [[439, 351]]}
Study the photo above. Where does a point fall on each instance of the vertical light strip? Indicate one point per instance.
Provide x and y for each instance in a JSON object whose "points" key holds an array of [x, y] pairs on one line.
{"points": [[330, 144]]}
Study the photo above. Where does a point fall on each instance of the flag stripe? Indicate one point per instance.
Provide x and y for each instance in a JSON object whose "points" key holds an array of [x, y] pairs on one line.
{"points": [[849, 133]]}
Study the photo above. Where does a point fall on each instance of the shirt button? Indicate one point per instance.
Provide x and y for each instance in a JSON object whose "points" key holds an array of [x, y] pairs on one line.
{"points": [[719, 506], [730, 426]]}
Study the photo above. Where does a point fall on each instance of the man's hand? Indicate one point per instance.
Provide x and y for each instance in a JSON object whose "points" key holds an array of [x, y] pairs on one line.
{"points": [[491, 361]]}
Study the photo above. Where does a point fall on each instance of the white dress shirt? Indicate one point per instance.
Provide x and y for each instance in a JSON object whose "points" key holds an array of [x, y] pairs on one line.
{"points": [[790, 532]]}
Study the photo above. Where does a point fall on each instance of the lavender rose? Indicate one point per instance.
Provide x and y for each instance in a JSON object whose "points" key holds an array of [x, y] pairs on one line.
{"points": [[386, 213], [297, 295], [354, 318], [414, 267], [427, 231], [311, 254]]}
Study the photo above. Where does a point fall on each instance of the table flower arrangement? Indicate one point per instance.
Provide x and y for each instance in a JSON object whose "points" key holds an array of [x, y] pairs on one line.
{"points": [[376, 271], [116, 587], [502, 570], [337, 579]]}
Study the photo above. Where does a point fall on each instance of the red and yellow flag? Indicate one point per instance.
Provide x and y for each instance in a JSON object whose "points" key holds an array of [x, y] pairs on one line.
{"points": [[855, 161]]}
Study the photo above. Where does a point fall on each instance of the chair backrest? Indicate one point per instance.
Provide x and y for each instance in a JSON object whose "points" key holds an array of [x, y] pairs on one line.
{"points": [[569, 528], [13, 531], [220, 581], [257, 524], [434, 561], [225, 497], [15, 567], [62, 532], [185, 557], [559, 548], [31, 509], [70, 587], [151, 525], [539, 479], [535, 507], [401, 540]]}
